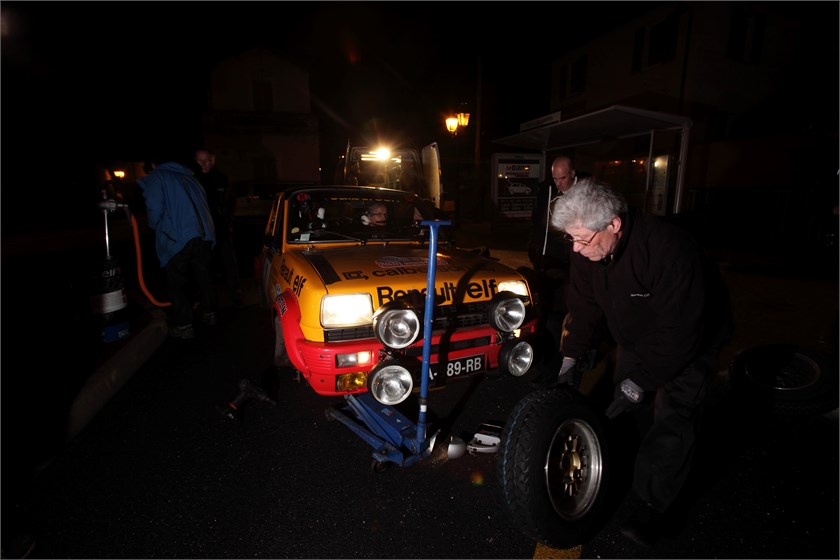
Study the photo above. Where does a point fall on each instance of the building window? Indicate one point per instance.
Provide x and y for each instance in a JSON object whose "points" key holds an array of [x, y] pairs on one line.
{"points": [[263, 96], [746, 36], [573, 78], [265, 168], [577, 81], [656, 44]]}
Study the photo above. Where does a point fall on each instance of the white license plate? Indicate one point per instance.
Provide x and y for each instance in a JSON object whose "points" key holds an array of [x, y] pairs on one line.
{"points": [[458, 368]]}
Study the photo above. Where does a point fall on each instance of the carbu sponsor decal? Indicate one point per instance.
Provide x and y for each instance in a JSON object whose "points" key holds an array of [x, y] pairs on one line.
{"points": [[400, 271], [394, 262], [485, 289]]}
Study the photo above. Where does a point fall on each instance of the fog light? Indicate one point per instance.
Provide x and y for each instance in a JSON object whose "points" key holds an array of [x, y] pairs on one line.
{"points": [[516, 357], [506, 312], [355, 359], [390, 383], [350, 381], [396, 325]]}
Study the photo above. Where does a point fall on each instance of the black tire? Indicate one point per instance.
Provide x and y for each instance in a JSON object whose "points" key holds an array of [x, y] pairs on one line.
{"points": [[785, 379], [552, 468]]}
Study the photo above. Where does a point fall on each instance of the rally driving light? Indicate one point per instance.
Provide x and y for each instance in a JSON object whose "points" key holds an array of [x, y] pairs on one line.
{"points": [[516, 357], [390, 382], [396, 325], [506, 312], [346, 310]]}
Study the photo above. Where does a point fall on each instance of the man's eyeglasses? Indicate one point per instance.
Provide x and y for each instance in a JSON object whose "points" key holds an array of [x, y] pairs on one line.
{"points": [[571, 240]]}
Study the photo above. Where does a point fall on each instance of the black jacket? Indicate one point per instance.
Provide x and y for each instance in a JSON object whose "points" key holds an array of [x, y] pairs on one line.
{"points": [[546, 248], [221, 198], [664, 303]]}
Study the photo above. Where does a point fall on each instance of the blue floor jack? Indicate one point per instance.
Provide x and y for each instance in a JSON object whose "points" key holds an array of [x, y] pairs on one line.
{"points": [[394, 438]]}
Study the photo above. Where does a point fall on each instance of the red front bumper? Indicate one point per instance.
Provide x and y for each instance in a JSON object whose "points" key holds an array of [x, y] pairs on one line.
{"points": [[318, 364]]}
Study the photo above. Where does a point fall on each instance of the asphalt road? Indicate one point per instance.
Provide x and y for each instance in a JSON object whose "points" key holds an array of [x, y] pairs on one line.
{"points": [[160, 472]]}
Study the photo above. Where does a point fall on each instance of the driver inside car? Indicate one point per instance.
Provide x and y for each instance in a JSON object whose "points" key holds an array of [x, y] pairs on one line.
{"points": [[376, 215]]}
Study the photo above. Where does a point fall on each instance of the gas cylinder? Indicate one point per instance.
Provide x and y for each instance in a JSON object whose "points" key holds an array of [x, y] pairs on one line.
{"points": [[108, 299], [109, 302]]}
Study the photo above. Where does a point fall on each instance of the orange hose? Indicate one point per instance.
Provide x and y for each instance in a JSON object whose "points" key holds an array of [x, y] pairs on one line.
{"points": [[140, 266]]}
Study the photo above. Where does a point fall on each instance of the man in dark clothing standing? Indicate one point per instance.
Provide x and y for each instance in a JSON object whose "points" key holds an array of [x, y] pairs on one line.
{"points": [[668, 312], [177, 210], [222, 206], [549, 255]]}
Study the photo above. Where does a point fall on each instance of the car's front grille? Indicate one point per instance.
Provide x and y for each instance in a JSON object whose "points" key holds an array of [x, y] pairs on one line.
{"points": [[352, 333], [462, 316]]}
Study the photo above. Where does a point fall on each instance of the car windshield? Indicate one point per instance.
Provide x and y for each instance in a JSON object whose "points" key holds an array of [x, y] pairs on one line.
{"points": [[357, 215]]}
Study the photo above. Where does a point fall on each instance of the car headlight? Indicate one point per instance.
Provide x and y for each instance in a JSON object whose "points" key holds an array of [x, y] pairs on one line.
{"points": [[390, 382], [506, 312], [346, 310], [396, 324], [518, 287], [516, 357]]}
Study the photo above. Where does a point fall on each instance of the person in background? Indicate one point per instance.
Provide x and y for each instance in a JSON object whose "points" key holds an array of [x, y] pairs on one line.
{"points": [[549, 255], [668, 312], [178, 212], [376, 215], [222, 207]]}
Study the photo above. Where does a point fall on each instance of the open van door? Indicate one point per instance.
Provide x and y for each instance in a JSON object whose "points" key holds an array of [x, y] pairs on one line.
{"points": [[430, 155]]}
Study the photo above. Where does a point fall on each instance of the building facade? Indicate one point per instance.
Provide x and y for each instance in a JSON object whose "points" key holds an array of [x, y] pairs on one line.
{"points": [[759, 81]]}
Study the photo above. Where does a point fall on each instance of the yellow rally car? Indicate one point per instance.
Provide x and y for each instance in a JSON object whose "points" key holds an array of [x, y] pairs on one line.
{"points": [[344, 272]]}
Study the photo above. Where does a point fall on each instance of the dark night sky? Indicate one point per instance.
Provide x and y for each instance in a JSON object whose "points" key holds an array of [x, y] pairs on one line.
{"points": [[84, 82]]}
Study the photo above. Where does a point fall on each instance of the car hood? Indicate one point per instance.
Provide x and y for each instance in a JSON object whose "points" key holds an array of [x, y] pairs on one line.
{"points": [[389, 271]]}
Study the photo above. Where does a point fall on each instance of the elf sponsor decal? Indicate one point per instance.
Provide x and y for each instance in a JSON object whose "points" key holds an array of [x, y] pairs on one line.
{"points": [[287, 273], [485, 289]]}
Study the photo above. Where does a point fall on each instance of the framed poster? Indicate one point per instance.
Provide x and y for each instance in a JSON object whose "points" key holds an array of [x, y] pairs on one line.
{"points": [[515, 179]]}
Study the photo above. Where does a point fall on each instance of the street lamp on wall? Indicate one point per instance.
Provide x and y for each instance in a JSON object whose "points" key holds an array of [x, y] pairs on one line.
{"points": [[452, 125], [456, 122]]}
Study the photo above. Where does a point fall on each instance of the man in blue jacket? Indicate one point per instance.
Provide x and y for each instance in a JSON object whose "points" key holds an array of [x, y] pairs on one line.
{"points": [[668, 312], [178, 211]]}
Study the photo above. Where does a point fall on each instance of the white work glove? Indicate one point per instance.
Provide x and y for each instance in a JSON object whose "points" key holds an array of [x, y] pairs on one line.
{"points": [[567, 372]]}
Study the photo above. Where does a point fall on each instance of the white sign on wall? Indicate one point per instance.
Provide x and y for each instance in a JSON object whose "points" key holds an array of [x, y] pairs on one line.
{"points": [[516, 178]]}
